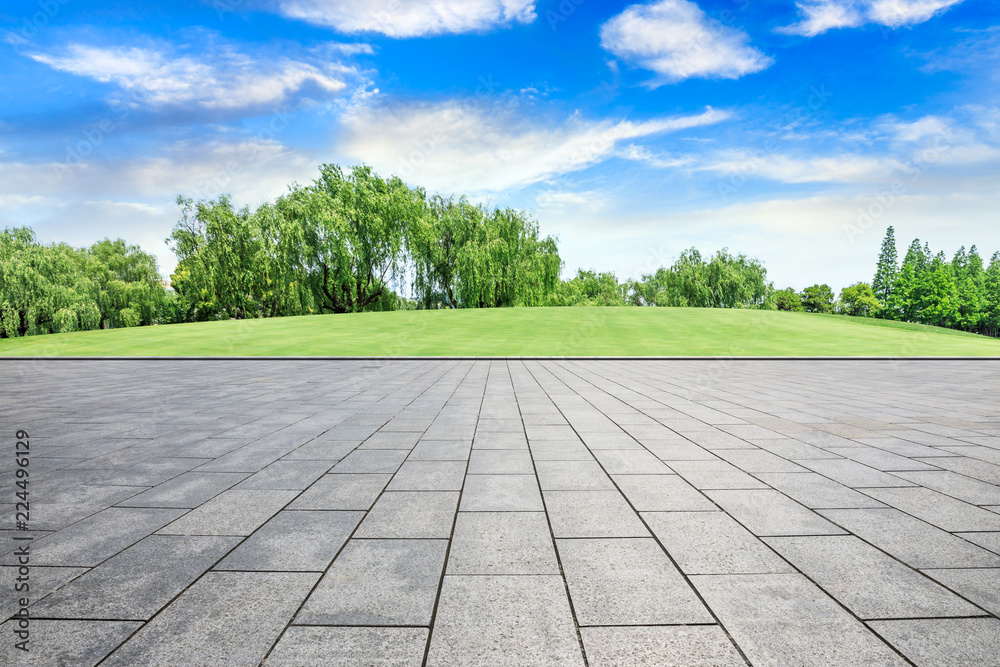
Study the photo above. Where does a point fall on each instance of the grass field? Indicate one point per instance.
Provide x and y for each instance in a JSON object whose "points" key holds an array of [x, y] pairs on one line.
{"points": [[522, 331]]}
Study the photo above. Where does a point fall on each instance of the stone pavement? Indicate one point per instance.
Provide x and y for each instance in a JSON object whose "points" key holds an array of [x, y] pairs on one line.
{"points": [[505, 512]]}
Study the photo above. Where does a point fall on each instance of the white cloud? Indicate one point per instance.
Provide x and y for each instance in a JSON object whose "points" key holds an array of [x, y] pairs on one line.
{"points": [[676, 39], [642, 154], [409, 18], [819, 169], [458, 146], [224, 79], [822, 15]]}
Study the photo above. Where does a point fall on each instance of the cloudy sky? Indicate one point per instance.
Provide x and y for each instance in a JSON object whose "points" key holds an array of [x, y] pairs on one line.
{"points": [[795, 131]]}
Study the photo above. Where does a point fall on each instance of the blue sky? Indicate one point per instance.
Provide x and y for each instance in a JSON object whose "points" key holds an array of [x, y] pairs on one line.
{"points": [[793, 131]]}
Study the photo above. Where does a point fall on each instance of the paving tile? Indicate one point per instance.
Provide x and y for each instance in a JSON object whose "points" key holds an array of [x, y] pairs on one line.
{"points": [[767, 512], [501, 493], [504, 620], [716, 474], [879, 459], [303, 646], [915, 542], [502, 543], [500, 441], [67, 505], [441, 450], [151, 472], [758, 460], [322, 450], [378, 582], [96, 538], [64, 642], [501, 462], [248, 459], [294, 540], [560, 450], [662, 493], [42, 581], [663, 646], [592, 514], [630, 462], [572, 476], [233, 512], [868, 582], [974, 468], [965, 642], [342, 492], [678, 450], [989, 541], [938, 509], [127, 587], [291, 475], [627, 582], [979, 585], [712, 543], [854, 474], [229, 618], [391, 440], [371, 461], [188, 490], [610, 441], [817, 492], [958, 486], [429, 476], [411, 514], [783, 619]]}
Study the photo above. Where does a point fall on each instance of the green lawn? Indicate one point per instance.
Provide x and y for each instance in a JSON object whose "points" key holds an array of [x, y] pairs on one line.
{"points": [[522, 331]]}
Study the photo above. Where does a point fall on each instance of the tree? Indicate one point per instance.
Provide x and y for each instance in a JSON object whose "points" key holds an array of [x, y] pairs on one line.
{"points": [[724, 281], [817, 299], [787, 299], [859, 300], [888, 268]]}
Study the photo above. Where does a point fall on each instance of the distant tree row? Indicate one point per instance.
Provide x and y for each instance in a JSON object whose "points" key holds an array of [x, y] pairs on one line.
{"points": [[58, 288]]}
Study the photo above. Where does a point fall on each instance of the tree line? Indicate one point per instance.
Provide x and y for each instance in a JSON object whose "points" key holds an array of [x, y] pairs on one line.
{"points": [[353, 241]]}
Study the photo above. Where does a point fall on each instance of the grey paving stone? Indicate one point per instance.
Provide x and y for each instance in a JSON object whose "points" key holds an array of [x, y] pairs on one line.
{"points": [[322, 450], [305, 646], [938, 509], [980, 585], [504, 620], [294, 540], [411, 514], [233, 512], [630, 462], [40, 580], [783, 619], [560, 450], [879, 459], [429, 476], [88, 542], [128, 586], [609, 441], [662, 493], [958, 486], [768, 512], [662, 646], [712, 543], [915, 542], [502, 543], [572, 476], [188, 490], [291, 475], [229, 618], [627, 582], [371, 461], [592, 514], [58, 508], [342, 492], [378, 582], [989, 541], [391, 440], [678, 450], [500, 441], [868, 582], [248, 459], [817, 492], [758, 460], [150, 473], [501, 493], [63, 643], [501, 462], [716, 474], [791, 449], [974, 468], [955, 642], [441, 450], [854, 474]]}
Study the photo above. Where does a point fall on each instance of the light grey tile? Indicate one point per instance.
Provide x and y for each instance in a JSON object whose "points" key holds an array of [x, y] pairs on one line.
{"points": [[958, 486], [572, 476], [378, 582], [185, 491], [817, 492], [965, 642], [937, 509], [501, 493], [662, 493], [64, 642], [504, 620], [294, 540], [768, 512], [592, 514], [502, 543], [980, 585], [233, 512], [429, 476], [292, 475], [342, 492], [630, 462], [411, 514], [302, 646], [441, 450], [501, 462], [371, 461], [662, 646]]}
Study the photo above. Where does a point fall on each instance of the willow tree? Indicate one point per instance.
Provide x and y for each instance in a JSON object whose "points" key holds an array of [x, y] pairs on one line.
{"points": [[350, 231], [435, 241]]}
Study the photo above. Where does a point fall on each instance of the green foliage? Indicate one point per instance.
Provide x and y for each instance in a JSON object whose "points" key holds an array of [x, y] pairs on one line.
{"points": [[817, 299], [887, 269], [787, 299], [724, 281], [590, 288], [859, 300], [57, 288]]}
